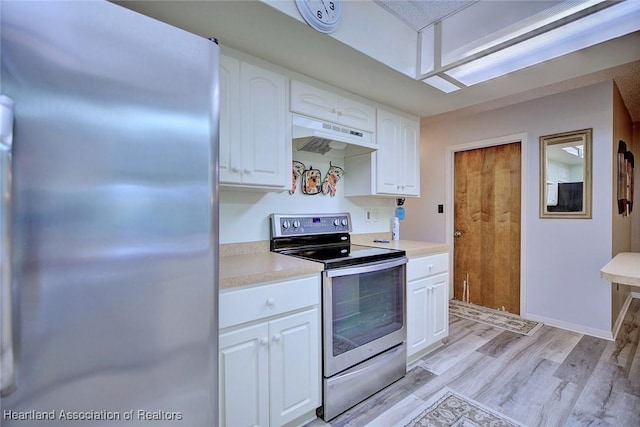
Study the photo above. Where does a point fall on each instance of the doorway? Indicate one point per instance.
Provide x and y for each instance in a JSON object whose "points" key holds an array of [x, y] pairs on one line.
{"points": [[487, 218]]}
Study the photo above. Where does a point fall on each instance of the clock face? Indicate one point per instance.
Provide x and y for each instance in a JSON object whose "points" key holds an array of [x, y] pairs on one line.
{"points": [[322, 15]]}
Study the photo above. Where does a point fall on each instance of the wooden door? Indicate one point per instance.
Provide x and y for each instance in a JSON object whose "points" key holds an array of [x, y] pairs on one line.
{"points": [[487, 226]]}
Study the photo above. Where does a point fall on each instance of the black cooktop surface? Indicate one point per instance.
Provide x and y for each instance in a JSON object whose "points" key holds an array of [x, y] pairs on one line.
{"points": [[348, 255]]}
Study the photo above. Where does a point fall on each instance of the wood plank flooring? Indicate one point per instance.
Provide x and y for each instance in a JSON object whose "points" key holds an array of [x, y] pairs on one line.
{"points": [[553, 378]]}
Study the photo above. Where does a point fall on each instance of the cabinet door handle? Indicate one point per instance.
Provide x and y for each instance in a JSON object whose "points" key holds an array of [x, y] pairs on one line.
{"points": [[264, 341], [271, 301], [235, 170], [276, 337]]}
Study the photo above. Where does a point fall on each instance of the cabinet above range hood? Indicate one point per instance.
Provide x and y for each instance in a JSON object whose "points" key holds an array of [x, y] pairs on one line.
{"points": [[322, 137]]}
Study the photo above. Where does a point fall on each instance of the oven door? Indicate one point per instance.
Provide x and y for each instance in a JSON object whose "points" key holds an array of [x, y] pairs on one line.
{"points": [[363, 312]]}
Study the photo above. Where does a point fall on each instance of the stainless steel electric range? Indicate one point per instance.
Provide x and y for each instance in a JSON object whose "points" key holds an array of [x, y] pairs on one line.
{"points": [[363, 306]]}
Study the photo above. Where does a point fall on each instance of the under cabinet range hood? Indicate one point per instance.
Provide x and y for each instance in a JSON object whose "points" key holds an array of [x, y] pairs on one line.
{"points": [[318, 136]]}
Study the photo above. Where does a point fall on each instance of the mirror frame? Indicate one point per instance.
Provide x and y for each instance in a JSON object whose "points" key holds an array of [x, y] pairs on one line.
{"points": [[586, 136]]}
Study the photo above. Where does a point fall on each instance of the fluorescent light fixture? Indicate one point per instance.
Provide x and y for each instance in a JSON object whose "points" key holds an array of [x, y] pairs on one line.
{"points": [[609, 23], [439, 83], [574, 151], [518, 27]]}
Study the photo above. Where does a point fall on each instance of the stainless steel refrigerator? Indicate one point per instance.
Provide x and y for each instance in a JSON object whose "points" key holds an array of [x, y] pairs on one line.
{"points": [[109, 218]]}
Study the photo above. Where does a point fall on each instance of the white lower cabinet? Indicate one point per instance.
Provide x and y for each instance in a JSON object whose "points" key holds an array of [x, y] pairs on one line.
{"points": [[270, 366], [427, 303], [244, 377]]}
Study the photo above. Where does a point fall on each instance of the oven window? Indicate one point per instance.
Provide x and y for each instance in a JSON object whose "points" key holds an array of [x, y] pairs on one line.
{"points": [[366, 307]]}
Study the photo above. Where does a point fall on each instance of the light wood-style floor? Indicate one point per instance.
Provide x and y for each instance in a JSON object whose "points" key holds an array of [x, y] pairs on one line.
{"points": [[553, 378]]}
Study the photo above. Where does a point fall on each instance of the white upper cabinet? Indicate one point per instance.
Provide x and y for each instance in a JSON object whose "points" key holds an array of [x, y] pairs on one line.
{"points": [[398, 156], [394, 169], [314, 102], [255, 147], [230, 149]]}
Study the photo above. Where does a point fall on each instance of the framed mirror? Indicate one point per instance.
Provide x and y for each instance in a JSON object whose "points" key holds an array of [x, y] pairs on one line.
{"points": [[565, 175]]}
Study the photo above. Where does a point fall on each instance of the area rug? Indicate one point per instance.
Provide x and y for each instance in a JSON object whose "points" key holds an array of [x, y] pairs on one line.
{"points": [[500, 319], [448, 409]]}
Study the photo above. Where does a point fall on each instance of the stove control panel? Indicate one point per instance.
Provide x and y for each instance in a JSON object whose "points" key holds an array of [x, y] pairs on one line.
{"points": [[300, 225]]}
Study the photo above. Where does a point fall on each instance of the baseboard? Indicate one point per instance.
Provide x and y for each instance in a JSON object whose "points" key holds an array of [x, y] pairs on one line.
{"points": [[420, 354], [623, 313], [302, 420], [573, 327]]}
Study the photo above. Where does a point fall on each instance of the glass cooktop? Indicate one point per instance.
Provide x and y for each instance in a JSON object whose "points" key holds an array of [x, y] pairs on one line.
{"points": [[335, 256]]}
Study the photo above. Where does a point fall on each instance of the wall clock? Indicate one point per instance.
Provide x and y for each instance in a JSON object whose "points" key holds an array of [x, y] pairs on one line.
{"points": [[321, 15]]}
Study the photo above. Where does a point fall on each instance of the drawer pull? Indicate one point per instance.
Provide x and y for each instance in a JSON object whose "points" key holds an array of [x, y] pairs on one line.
{"points": [[271, 301]]}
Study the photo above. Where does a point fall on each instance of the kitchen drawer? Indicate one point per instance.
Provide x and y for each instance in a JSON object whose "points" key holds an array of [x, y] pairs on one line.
{"points": [[427, 266], [257, 302]]}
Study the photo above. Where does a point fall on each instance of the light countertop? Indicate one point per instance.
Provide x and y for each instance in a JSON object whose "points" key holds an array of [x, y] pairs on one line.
{"points": [[250, 263], [252, 268], [624, 268]]}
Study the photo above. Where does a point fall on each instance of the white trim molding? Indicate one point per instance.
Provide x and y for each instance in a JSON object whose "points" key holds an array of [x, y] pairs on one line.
{"points": [[573, 327], [623, 313]]}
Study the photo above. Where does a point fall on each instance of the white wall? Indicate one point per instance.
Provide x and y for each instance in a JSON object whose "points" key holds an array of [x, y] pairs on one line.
{"points": [[369, 28], [244, 215], [563, 257]]}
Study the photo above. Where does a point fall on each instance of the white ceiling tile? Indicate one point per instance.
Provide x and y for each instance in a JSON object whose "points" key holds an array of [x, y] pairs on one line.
{"points": [[419, 14]]}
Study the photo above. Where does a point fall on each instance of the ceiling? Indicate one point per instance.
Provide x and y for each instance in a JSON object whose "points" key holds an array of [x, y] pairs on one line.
{"points": [[264, 32], [420, 14]]}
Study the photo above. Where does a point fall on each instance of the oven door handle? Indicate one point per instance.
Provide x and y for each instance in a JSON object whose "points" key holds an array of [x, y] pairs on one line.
{"points": [[367, 268]]}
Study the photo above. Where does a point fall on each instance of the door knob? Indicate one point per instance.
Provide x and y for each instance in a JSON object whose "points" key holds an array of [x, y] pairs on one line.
{"points": [[457, 233]]}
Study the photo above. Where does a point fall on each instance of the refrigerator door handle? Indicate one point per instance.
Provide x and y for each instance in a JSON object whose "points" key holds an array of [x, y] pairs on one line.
{"points": [[7, 365]]}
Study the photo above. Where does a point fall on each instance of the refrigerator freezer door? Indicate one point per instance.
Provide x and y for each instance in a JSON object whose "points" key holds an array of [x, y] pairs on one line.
{"points": [[114, 216]]}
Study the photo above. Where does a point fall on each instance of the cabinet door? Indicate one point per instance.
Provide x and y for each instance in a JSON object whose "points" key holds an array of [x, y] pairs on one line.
{"points": [[439, 307], [356, 115], [313, 102], [230, 149], [418, 315], [427, 311], [265, 147], [244, 377], [295, 366], [387, 161], [410, 161]]}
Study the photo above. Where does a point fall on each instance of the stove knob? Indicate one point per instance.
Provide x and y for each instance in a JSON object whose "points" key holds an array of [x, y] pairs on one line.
{"points": [[344, 222], [296, 223], [336, 222], [285, 224]]}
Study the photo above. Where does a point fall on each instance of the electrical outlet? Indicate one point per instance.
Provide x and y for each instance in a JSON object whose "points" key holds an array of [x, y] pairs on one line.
{"points": [[375, 215]]}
